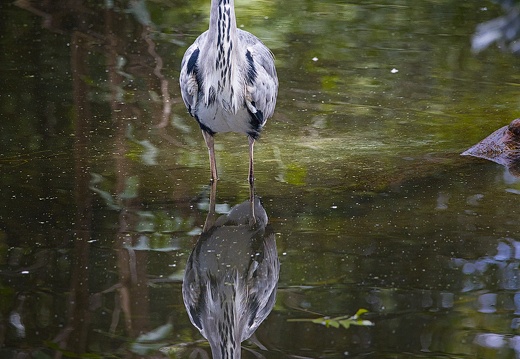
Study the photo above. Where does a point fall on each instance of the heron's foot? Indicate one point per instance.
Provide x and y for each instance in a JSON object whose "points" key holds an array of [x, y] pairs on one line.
{"points": [[251, 180], [252, 214]]}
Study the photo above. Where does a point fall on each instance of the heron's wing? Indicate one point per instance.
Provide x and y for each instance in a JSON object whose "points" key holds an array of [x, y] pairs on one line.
{"points": [[262, 283], [191, 291], [261, 78], [188, 78]]}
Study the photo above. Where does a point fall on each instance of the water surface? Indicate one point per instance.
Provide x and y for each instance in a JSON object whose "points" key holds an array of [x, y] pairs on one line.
{"points": [[104, 180]]}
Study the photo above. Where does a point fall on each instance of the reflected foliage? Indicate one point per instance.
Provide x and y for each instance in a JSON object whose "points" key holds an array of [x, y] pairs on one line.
{"points": [[495, 281], [496, 272], [504, 30]]}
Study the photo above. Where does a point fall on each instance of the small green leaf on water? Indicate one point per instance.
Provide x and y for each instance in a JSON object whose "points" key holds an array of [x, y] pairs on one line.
{"points": [[331, 323], [344, 321], [359, 313]]}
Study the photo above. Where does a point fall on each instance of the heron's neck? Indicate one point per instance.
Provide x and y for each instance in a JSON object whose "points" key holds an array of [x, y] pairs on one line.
{"points": [[226, 340], [223, 25]]}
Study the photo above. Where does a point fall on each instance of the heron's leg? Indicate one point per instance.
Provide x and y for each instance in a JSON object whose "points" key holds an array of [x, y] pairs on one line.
{"points": [[251, 176], [210, 142], [211, 217], [252, 217]]}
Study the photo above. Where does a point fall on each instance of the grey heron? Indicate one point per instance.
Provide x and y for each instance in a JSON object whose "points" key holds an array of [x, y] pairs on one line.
{"points": [[230, 281], [228, 81]]}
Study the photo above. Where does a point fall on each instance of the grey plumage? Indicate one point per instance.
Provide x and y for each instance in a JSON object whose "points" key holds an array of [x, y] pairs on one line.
{"points": [[230, 282], [228, 80]]}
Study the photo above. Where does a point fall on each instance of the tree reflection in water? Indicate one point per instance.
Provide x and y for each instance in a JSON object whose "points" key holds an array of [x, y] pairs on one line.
{"points": [[231, 276], [499, 273], [108, 33], [496, 278]]}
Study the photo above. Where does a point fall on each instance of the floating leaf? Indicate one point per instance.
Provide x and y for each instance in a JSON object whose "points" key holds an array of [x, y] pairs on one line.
{"points": [[344, 321], [359, 313]]}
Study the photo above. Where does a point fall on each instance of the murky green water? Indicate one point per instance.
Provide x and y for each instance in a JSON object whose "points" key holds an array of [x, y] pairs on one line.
{"points": [[104, 180]]}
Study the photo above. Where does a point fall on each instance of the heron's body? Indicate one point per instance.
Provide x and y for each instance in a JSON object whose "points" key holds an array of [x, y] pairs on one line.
{"points": [[229, 285], [228, 80]]}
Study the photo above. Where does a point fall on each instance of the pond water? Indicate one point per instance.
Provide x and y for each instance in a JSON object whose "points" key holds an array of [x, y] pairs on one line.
{"points": [[104, 180]]}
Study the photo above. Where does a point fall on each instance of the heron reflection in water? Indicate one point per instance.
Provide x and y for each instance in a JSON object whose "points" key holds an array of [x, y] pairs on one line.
{"points": [[502, 147], [230, 282]]}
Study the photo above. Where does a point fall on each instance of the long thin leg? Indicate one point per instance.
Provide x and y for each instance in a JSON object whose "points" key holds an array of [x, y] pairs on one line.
{"points": [[210, 142], [252, 214], [211, 217], [251, 176]]}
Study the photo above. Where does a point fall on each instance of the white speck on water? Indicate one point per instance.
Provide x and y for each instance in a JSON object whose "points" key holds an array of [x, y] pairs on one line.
{"points": [[394, 70], [315, 59]]}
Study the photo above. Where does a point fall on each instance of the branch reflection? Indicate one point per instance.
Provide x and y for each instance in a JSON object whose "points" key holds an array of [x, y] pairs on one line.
{"points": [[231, 276]]}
